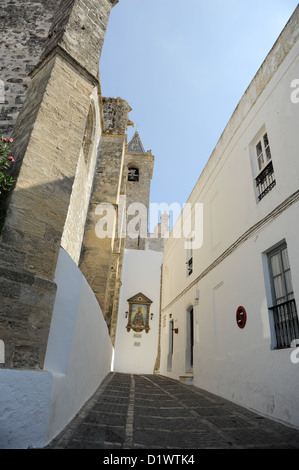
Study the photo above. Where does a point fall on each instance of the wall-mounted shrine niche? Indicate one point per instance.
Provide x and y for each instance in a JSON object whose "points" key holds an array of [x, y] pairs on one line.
{"points": [[139, 313]]}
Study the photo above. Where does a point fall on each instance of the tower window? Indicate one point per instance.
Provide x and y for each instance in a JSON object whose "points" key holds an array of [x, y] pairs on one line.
{"points": [[133, 174]]}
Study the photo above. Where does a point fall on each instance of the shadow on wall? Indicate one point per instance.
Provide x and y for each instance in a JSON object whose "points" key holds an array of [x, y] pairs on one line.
{"points": [[34, 223], [29, 248], [35, 406], [49, 316]]}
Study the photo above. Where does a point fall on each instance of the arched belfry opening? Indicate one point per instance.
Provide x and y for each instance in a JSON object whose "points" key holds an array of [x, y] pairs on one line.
{"points": [[133, 174]]}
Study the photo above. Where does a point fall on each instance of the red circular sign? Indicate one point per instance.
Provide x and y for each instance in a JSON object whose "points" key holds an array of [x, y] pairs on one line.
{"points": [[241, 317]]}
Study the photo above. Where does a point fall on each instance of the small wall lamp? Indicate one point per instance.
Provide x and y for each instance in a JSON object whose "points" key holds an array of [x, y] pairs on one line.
{"points": [[127, 313]]}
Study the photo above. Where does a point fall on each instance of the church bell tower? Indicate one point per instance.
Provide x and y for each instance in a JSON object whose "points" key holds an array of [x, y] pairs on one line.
{"points": [[138, 171]]}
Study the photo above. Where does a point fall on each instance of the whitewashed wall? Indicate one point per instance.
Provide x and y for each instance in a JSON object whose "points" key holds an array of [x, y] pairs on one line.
{"points": [[25, 399], [36, 405], [141, 273], [241, 365]]}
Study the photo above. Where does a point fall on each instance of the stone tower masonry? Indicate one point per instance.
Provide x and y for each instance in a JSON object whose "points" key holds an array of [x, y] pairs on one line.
{"points": [[63, 45], [135, 188], [25, 26], [101, 257], [71, 156], [138, 172]]}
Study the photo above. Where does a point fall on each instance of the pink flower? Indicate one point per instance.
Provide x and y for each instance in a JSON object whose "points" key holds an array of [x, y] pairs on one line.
{"points": [[10, 140], [11, 159], [4, 140]]}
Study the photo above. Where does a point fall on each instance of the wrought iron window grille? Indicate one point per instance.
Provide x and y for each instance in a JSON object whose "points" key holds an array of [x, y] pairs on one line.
{"points": [[189, 266], [286, 323], [265, 181]]}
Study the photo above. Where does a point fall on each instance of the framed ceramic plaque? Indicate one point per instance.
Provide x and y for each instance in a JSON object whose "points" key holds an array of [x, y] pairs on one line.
{"points": [[139, 313]]}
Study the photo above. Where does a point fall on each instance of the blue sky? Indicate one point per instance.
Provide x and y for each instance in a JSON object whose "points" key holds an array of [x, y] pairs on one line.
{"points": [[183, 66]]}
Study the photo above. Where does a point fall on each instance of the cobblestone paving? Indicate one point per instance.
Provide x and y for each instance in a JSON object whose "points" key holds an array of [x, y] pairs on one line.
{"points": [[154, 412]]}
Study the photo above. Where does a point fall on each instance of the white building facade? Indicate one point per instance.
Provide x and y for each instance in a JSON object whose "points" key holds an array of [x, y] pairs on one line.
{"points": [[136, 348], [229, 303]]}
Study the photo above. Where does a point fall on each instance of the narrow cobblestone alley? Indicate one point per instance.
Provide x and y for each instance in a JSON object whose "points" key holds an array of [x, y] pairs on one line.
{"points": [[154, 412]]}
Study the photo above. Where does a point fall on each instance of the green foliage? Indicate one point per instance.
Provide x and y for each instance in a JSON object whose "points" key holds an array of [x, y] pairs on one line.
{"points": [[6, 160], [6, 180]]}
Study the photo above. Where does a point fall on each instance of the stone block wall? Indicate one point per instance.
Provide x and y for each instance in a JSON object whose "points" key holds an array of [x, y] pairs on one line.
{"points": [[25, 314], [86, 25], [70, 152], [139, 192], [39, 204], [49, 136], [100, 256], [25, 26]]}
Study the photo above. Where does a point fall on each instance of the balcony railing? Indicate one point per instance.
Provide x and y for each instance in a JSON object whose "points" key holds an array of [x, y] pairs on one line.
{"points": [[189, 267], [286, 323], [265, 180]]}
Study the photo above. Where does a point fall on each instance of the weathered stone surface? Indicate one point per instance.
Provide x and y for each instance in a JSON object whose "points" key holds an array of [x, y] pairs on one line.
{"points": [[80, 23], [25, 317], [101, 260], [51, 179], [114, 285], [138, 191], [99, 256], [24, 31], [50, 130], [115, 112]]}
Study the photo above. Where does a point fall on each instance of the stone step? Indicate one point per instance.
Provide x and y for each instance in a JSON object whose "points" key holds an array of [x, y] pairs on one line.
{"points": [[186, 379]]}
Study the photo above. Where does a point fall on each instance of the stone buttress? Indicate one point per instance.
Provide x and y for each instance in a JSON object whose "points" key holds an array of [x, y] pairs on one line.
{"points": [[48, 136]]}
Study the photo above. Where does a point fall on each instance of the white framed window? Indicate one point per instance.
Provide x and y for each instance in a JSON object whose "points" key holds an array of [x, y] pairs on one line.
{"points": [[263, 152], [284, 309], [280, 272], [189, 257], [263, 165]]}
